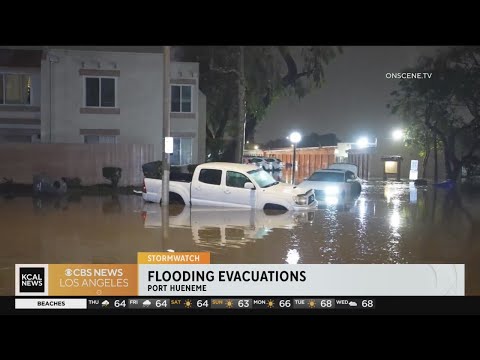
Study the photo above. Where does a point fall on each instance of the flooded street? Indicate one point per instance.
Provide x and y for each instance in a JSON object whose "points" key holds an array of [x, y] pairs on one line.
{"points": [[388, 223]]}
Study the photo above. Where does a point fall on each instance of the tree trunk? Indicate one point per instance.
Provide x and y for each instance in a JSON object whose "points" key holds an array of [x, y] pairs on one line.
{"points": [[241, 107], [435, 158], [453, 166], [425, 163]]}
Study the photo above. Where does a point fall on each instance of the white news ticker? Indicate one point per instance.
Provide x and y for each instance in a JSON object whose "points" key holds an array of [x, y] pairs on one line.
{"points": [[50, 303], [320, 280]]}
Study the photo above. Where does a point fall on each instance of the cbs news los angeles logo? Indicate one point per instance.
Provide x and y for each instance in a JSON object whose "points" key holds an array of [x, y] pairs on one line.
{"points": [[31, 280]]}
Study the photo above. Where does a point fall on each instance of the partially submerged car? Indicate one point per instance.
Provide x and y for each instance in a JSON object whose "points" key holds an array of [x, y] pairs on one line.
{"points": [[232, 185], [333, 182]]}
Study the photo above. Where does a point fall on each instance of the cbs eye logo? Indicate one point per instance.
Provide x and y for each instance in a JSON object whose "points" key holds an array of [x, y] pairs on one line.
{"points": [[68, 272]]}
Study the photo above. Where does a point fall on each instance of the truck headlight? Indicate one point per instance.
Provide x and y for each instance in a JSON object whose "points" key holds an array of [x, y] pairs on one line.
{"points": [[300, 199], [332, 190]]}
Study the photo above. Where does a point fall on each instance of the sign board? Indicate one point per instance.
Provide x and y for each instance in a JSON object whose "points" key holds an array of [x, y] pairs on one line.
{"points": [[169, 145], [413, 170]]}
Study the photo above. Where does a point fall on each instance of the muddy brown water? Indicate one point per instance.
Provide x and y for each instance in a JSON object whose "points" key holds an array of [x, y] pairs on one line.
{"points": [[388, 223]]}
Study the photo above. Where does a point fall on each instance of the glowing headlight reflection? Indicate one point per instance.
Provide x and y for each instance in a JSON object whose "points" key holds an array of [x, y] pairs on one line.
{"points": [[293, 256], [332, 190], [331, 200], [395, 220]]}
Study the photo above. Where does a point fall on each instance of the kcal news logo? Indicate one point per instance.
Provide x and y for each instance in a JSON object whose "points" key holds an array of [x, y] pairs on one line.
{"points": [[31, 279]]}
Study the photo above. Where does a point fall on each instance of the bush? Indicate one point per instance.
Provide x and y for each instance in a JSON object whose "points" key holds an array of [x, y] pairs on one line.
{"points": [[152, 170], [72, 182], [175, 169], [191, 168], [113, 174]]}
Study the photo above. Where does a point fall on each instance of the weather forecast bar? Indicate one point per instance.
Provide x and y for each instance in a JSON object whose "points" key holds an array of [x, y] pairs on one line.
{"points": [[194, 303]]}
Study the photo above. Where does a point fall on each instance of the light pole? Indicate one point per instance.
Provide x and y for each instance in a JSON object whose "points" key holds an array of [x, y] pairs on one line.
{"points": [[166, 125], [295, 138]]}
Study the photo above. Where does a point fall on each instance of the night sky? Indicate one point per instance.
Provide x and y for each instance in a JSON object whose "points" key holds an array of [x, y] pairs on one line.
{"points": [[352, 102]]}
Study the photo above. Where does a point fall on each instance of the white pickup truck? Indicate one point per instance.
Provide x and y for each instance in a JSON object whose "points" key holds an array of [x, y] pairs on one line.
{"points": [[232, 185]]}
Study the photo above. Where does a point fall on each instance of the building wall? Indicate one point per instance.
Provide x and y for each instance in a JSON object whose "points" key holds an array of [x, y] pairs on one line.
{"points": [[375, 166], [202, 126], [138, 115]]}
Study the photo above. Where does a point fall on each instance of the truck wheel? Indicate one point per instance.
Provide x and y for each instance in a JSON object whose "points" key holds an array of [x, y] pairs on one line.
{"points": [[174, 198], [357, 189]]}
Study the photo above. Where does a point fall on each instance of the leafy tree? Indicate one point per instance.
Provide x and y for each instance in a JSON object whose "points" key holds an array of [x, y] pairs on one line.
{"points": [[447, 104], [241, 82]]}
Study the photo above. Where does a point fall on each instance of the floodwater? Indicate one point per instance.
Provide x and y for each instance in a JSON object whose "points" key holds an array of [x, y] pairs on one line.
{"points": [[388, 223]]}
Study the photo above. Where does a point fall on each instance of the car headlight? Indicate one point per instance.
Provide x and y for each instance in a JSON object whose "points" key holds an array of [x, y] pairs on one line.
{"points": [[332, 190], [300, 199]]}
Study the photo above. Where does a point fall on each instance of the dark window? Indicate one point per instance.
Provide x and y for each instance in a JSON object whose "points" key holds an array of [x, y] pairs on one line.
{"points": [[235, 179], [210, 176], [99, 139], [100, 92], [1, 88], [182, 151], [108, 92], [175, 99], [92, 91], [327, 176], [349, 175], [15, 89], [186, 99], [181, 98]]}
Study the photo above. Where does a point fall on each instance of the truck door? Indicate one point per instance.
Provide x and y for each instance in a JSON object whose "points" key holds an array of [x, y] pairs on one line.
{"points": [[235, 194], [208, 188]]}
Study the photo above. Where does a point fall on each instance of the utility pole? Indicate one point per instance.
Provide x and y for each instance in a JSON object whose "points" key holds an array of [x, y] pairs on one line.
{"points": [[241, 106], [435, 158], [166, 125], [294, 163]]}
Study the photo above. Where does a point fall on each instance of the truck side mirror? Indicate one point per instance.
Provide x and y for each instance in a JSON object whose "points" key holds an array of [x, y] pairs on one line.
{"points": [[249, 185]]}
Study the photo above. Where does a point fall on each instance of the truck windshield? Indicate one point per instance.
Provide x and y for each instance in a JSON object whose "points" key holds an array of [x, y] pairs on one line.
{"points": [[262, 178]]}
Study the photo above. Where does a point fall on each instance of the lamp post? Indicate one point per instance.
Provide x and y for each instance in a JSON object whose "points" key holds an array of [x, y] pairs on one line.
{"points": [[295, 138]]}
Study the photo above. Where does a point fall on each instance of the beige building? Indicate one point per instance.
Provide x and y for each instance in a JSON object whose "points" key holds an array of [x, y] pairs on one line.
{"points": [[95, 97]]}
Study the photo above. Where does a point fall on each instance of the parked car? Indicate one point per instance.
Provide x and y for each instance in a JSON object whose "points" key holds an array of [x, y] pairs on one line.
{"points": [[332, 183], [232, 185], [276, 164], [262, 163]]}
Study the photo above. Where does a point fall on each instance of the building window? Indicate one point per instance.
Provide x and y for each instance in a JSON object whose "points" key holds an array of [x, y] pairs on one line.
{"points": [[391, 167], [182, 151], [15, 89], [181, 98], [99, 139], [100, 92]]}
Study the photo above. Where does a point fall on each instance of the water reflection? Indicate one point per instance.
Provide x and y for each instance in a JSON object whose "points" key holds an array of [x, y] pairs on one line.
{"points": [[382, 225], [218, 227]]}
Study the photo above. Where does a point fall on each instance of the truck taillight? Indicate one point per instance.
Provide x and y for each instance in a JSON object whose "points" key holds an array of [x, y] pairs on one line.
{"points": [[144, 188]]}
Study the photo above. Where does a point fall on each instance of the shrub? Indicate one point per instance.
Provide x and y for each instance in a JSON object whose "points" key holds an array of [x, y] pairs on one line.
{"points": [[152, 170], [191, 168], [113, 174], [72, 182]]}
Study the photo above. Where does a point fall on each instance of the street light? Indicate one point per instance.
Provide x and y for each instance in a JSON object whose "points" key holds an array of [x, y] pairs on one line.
{"points": [[295, 138], [362, 142], [256, 147], [397, 134]]}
